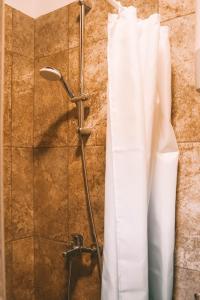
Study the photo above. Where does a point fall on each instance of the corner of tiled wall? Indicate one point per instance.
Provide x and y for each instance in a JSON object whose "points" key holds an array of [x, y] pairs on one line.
{"points": [[18, 153]]}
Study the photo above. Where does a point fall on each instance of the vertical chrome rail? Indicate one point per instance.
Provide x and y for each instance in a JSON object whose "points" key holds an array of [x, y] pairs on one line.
{"points": [[81, 59], [80, 106]]}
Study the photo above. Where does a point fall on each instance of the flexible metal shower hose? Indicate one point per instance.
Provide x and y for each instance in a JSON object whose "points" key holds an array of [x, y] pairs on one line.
{"points": [[89, 206]]}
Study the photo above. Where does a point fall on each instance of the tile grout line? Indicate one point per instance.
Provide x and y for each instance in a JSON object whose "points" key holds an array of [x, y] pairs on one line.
{"points": [[187, 269], [177, 17]]}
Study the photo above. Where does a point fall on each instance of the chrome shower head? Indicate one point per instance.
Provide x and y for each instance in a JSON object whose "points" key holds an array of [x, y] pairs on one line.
{"points": [[50, 73], [53, 74]]}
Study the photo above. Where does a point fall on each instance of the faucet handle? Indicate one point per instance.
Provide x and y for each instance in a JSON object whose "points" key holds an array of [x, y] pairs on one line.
{"points": [[77, 239]]}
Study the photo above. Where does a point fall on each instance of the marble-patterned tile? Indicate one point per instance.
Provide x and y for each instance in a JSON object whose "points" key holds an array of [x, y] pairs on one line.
{"points": [[95, 157], [7, 193], [8, 23], [95, 119], [74, 71], [188, 251], [95, 67], [78, 213], [186, 103], [188, 211], [145, 8], [50, 270], [8, 270], [23, 269], [7, 113], [51, 193], [171, 9], [85, 280], [22, 100], [22, 192], [186, 284], [22, 74], [51, 104], [51, 32], [74, 11], [182, 35], [23, 34]]}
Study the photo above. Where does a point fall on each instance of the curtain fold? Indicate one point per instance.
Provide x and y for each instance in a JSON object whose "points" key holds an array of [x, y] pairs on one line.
{"points": [[141, 161]]}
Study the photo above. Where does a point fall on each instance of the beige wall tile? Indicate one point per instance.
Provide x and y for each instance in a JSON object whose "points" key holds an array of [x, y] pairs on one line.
{"points": [[7, 193], [144, 7], [7, 112], [182, 35], [170, 9], [51, 104], [188, 210], [186, 103], [51, 33], [23, 34], [186, 284], [22, 192], [188, 251], [8, 23], [51, 194], [96, 66], [78, 215], [22, 100], [8, 269], [74, 66], [85, 284], [50, 270], [23, 269]]}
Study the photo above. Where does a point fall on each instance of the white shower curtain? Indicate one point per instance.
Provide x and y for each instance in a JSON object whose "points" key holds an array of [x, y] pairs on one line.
{"points": [[141, 161]]}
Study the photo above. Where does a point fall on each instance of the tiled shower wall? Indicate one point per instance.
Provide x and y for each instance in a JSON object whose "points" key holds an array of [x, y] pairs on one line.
{"points": [[44, 195], [18, 153]]}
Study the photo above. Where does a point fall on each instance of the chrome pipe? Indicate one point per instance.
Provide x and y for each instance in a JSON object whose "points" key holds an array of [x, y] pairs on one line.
{"points": [[80, 106]]}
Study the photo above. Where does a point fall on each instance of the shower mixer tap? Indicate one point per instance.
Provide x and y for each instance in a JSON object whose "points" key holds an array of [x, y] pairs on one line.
{"points": [[77, 247]]}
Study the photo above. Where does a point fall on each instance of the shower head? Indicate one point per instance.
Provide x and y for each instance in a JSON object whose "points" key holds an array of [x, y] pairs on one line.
{"points": [[50, 73], [53, 74]]}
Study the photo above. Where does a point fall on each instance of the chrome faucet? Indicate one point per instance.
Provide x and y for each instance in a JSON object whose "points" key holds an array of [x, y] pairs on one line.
{"points": [[77, 247]]}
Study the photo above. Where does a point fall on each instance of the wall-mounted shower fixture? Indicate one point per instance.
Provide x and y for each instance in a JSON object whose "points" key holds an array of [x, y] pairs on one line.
{"points": [[75, 250], [53, 74], [77, 247]]}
